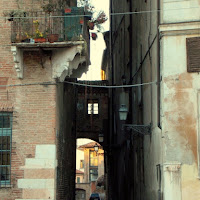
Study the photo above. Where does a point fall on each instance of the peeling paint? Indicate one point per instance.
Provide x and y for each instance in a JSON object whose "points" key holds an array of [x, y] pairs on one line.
{"points": [[182, 126]]}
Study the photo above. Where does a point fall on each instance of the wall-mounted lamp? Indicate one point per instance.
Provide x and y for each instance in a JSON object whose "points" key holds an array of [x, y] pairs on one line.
{"points": [[138, 129], [123, 112], [101, 137], [96, 147]]}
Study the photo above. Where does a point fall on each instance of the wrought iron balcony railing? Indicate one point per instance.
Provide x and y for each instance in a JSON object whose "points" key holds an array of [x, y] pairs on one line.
{"points": [[56, 26]]}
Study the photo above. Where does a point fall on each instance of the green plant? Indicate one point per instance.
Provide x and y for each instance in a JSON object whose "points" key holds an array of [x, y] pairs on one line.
{"points": [[37, 33], [14, 14], [98, 17], [50, 7]]}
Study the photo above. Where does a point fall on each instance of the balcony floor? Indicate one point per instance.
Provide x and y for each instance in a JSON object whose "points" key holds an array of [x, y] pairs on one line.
{"points": [[47, 45]]}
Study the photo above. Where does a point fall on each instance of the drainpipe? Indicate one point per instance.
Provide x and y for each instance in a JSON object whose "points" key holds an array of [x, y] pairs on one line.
{"points": [[158, 89], [158, 64], [131, 189], [131, 60]]}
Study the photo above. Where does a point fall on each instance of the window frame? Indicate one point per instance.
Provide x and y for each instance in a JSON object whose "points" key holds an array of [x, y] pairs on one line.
{"points": [[6, 132], [92, 102], [81, 164], [78, 179], [93, 167]]}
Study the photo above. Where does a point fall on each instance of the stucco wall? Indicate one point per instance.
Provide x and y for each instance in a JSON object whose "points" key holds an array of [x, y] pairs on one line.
{"points": [[179, 11], [180, 109]]}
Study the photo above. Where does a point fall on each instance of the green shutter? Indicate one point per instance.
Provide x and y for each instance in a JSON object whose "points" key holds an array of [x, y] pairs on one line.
{"points": [[72, 26]]}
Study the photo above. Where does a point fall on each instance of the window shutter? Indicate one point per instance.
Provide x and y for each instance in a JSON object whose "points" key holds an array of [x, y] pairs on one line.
{"points": [[193, 54]]}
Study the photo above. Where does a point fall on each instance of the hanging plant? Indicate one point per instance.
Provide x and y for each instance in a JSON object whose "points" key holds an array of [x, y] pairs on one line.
{"points": [[94, 36], [91, 25], [98, 17]]}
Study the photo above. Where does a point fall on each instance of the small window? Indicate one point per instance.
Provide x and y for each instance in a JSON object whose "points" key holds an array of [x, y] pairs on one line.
{"points": [[93, 107], [93, 174], [93, 168], [5, 148], [78, 180], [81, 164], [93, 159]]}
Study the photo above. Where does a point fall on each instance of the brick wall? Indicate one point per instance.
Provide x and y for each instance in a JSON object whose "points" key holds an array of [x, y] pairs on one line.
{"points": [[34, 108], [34, 112], [34, 119], [89, 126]]}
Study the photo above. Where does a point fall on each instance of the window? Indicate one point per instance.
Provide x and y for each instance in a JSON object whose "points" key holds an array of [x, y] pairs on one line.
{"points": [[93, 166], [93, 174], [81, 164], [93, 107], [193, 51], [78, 180], [5, 147], [93, 159]]}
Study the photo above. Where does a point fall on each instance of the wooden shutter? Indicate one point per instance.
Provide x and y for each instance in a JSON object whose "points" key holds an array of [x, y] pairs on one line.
{"points": [[193, 54]]}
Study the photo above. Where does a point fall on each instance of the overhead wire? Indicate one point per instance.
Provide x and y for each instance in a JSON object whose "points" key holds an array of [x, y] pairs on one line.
{"points": [[80, 84], [111, 14]]}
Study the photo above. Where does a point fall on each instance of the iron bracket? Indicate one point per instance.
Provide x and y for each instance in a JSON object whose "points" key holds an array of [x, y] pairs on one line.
{"points": [[138, 129]]}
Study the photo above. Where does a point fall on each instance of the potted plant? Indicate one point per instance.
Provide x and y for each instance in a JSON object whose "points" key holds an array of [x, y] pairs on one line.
{"points": [[91, 25], [38, 36], [81, 20], [97, 21], [52, 37]]}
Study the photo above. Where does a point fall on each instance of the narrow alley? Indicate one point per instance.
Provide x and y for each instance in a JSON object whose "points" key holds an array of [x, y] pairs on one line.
{"points": [[96, 99]]}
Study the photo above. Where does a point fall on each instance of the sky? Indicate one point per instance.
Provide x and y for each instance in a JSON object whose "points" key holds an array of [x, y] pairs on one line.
{"points": [[97, 46]]}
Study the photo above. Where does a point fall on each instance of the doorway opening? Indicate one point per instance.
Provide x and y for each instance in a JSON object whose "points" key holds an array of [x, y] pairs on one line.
{"points": [[90, 175]]}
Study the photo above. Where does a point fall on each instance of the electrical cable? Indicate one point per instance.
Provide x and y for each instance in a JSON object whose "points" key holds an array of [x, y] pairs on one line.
{"points": [[110, 86], [80, 84], [111, 14], [29, 84]]}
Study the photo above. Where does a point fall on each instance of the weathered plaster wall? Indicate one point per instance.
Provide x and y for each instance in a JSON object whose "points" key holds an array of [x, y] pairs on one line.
{"points": [[179, 11], [180, 109]]}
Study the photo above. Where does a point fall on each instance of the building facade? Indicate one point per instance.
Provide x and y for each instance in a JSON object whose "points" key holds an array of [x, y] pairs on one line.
{"points": [[37, 117], [93, 167], [156, 43]]}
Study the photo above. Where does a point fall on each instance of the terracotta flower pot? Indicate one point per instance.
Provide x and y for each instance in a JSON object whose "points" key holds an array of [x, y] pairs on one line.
{"points": [[81, 21], [91, 25], [52, 38], [94, 36], [40, 40]]}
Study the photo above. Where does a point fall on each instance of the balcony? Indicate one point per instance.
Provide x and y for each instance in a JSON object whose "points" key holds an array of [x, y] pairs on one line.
{"points": [[64, 32], [56, 26]]}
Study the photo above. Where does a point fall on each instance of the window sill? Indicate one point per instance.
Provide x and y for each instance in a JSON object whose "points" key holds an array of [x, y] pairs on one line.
{"points": [[2, 186]]}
